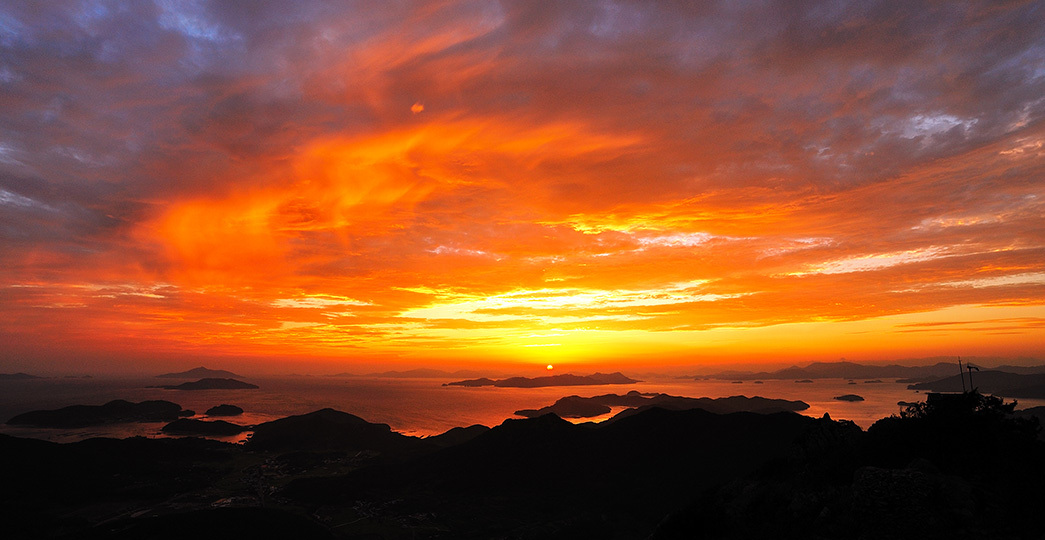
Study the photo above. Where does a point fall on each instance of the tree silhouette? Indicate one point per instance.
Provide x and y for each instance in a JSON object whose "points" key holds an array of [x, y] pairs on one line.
{"points": [[958, 432]]}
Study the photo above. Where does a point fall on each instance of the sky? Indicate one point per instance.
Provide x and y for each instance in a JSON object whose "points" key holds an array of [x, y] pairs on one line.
{"points": [[340, 185]]}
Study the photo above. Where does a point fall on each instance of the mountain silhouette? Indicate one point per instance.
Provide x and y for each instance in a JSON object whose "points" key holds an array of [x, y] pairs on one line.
{"points": [[546, 477], [956, 466]]}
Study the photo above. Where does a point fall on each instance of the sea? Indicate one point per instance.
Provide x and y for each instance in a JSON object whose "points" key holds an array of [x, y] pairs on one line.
{"points": [[414, 406]]}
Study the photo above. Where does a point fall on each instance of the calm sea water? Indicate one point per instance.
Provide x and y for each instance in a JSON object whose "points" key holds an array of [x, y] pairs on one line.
{"points": [[412, 406]]}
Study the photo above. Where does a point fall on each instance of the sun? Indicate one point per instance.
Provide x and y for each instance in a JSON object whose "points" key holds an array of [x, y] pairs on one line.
{"points": [[550, 367]]}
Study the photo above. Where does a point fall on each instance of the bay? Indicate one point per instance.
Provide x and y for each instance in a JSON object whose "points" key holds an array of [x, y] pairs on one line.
{"points": [[413, 406]]}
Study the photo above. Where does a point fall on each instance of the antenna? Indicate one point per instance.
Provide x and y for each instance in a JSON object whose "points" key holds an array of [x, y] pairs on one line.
{"points": [[971, 367], [961, 373]]}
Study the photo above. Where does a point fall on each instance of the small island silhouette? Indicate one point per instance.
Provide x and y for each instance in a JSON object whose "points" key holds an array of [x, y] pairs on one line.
{"points": [[210, 384], [567, 379], [192, 426], [17, 376], [224, 410], [201, 373]]}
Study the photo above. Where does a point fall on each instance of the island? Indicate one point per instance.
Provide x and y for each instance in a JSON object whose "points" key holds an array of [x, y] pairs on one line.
{"points": [[578, 407], [113, 412], [567, 379], [200, 372], [17, 376], [210, 384], [570, 407], [224, 410], [852, 370], [849, 397]]}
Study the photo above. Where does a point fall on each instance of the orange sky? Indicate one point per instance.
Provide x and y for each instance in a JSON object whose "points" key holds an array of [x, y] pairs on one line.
{"points": [[592, 184]]}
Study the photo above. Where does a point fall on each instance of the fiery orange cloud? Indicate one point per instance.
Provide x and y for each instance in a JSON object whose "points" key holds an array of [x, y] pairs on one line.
{"points": [[354, 188]]}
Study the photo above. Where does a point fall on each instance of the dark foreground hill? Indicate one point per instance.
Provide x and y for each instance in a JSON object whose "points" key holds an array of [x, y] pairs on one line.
{"points": [[329, 430], [547, 478], [958, 468]]}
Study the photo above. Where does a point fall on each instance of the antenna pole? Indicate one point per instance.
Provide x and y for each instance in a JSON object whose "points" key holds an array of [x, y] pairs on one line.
{"points": [[961, 373]]}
